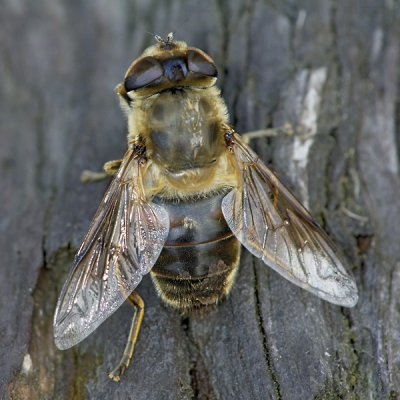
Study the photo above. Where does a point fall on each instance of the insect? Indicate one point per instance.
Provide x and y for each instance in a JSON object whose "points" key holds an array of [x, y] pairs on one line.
{"points": [[186, 195]]}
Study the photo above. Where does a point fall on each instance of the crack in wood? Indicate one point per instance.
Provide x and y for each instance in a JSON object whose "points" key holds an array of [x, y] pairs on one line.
{"points": [[260, 319]]}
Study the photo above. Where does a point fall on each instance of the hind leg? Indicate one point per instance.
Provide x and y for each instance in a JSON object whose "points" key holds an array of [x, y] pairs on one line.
{"points": [[138, 305]]}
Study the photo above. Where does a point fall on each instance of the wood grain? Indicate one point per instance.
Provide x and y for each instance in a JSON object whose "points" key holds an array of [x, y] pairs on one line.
{"points": [[328, 67]]}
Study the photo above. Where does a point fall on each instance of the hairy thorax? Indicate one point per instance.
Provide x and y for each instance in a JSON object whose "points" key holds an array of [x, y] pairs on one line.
{"points": [[185, 145]]}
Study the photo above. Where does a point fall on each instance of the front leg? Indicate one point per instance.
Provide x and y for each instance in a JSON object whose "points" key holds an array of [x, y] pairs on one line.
{"points": [[110, 168]]}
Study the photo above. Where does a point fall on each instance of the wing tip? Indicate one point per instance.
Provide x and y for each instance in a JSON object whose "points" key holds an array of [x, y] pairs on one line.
{"points": [[348, 299]]}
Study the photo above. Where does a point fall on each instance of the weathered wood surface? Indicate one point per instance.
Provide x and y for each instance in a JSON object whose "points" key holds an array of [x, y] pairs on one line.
{"points": [[331, 68]]}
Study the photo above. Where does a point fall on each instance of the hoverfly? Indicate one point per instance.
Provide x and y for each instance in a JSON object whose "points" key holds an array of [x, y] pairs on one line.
{"points": [[186, 195]]}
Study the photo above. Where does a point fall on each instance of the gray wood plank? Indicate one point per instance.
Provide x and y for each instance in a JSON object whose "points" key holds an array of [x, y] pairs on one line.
{"points": [[330, 68]]}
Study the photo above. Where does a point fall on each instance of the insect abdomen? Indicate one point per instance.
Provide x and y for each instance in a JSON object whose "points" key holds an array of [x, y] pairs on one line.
{"points": [[198, 263]]}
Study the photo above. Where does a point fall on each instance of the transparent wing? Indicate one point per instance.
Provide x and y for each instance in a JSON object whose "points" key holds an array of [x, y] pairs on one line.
{"points": [[269, 221], [124, 241]]}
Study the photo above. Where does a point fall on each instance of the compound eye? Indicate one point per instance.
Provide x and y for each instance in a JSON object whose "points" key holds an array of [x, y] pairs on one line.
{"points": [[142, 72], [200, 63]]}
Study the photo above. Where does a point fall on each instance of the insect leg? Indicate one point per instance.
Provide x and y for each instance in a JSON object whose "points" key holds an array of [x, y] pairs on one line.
{"points": [[138, 305], [110, 168], [285, 130]]}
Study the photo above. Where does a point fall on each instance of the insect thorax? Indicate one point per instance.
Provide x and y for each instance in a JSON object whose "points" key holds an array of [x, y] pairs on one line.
{"points": [[185, 144]]}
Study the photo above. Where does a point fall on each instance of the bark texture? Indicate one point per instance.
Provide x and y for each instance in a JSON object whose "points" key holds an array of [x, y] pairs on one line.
{"points": [[328, 67]]}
